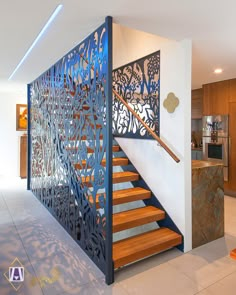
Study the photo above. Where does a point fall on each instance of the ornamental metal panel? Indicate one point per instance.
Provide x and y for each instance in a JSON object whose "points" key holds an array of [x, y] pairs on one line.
{"points": [[139, 84], [69, 130]]}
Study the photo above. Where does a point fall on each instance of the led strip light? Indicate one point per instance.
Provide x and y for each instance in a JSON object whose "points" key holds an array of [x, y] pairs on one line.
{"points": [[52, 17]]}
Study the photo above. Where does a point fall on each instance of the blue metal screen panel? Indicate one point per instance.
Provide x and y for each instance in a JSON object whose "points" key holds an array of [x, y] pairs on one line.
{"points": [[70, 129], [139, 84]]}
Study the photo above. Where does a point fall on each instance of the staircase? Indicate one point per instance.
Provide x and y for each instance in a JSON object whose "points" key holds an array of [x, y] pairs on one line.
{"points": [[133, 248], [128, 249], [73, 108]]}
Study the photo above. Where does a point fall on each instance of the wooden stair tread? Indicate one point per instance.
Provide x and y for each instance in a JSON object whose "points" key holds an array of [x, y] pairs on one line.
{"points": [[98, 126], [126, 196], [115, 162], [117, 177], [143, 245], [130, 195], [76, 138], [87, 116], [86, 107], [115, 148], [136, 217]]}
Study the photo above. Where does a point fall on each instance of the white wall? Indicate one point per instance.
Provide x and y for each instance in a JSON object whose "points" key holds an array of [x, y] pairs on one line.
{"points": [[9, 137], [169, 181]]}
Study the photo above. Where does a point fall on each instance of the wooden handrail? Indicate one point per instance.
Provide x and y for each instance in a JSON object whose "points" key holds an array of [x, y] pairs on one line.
{"points": [[162, 144], [156, 137]]}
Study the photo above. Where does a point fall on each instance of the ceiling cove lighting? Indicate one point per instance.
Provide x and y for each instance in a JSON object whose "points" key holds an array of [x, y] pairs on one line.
{"points": [[218, 71], [52, 17]]}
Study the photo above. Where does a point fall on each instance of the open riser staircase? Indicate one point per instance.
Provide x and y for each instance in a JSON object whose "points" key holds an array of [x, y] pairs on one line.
{"points": [[77, 169], [129, 249], [141, 243]]}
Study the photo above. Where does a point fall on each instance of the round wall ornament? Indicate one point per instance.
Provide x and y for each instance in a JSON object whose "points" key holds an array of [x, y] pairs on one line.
{"points": [[171, 102]]}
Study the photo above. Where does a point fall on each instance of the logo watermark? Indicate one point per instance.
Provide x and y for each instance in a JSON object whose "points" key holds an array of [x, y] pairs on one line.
{"points": [[15, 274], [43, 280]]}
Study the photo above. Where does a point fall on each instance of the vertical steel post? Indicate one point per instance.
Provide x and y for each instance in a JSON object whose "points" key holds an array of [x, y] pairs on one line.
{"points": [[28, 138], [109, 260]]}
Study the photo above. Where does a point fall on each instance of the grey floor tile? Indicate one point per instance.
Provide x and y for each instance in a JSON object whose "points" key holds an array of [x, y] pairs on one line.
{"points": [[163, 279], [219, 248], [25, 216], [68, 272], [3, 206], [215, 250], [21, 203], [5, 218], [205, 292], [203, 269], [11, 245], [44, 238], [39, 241], [30, 233], [146, 264], [97, 287], [226, 286]]}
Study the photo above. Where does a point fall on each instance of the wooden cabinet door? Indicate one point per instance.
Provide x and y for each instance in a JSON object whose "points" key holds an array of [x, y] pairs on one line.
{"points": [[232, 90], [231, 184], [23, 156], [216, 98], [197, 96]]}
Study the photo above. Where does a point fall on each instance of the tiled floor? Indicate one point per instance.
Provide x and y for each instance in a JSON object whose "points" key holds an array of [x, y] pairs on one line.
{"points": [[56, 265]]}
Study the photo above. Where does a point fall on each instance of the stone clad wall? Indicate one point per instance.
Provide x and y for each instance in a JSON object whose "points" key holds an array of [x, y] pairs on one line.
{"points": [[207, 203]]}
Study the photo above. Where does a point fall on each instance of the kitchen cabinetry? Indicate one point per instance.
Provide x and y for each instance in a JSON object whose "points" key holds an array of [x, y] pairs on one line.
{"points": [[215, 98], [197, 97], [231, 184], [232, 90], [23, 156], [220, 98]]}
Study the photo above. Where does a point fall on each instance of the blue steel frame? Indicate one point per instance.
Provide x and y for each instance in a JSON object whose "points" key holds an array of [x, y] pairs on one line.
{"points": [[28, 138], [80, 82], [109, 208]]}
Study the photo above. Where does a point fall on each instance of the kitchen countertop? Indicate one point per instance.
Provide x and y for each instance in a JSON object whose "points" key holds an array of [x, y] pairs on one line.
{"points": [[196, 164], [197, 149]]}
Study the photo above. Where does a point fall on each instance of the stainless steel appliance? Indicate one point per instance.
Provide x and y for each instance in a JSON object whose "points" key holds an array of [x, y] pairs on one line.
{"points": [[215, 140]]}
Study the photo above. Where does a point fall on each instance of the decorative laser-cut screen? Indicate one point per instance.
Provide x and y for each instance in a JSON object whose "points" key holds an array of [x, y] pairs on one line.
{"points": [[69, 107], [139, 84]]}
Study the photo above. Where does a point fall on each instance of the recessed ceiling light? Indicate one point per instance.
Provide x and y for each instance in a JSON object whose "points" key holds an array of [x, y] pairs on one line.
{"points": [[52, 17], [218, 71]]}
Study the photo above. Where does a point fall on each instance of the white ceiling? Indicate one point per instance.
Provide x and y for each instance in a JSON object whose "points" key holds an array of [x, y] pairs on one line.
{"points": [[209, 23]]}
